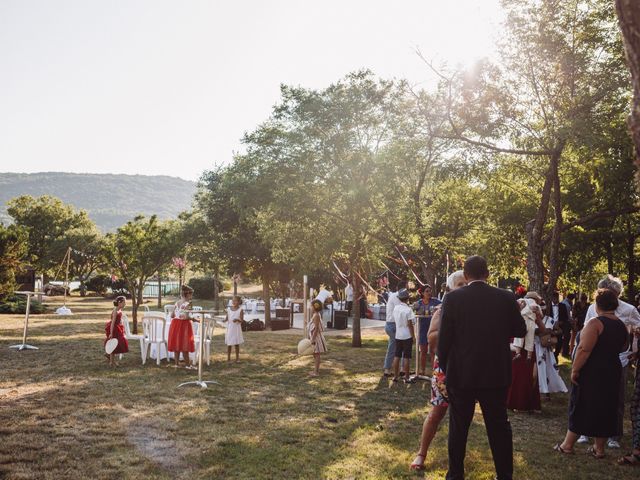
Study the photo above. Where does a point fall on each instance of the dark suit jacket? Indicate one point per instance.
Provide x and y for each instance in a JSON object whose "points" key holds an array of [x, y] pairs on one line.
{"points": [[477, 324], [563, 315]]}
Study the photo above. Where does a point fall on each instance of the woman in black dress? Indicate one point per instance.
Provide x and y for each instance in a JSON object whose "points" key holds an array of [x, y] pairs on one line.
{"points": [[593, 407]]}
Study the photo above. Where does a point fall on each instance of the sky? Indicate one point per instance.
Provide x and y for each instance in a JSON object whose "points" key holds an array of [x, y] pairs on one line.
{"points": [[161, 87]]}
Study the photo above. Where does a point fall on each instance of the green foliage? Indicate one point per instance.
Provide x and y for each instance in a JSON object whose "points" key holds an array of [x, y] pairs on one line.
{"points": [[138, 250], [203, 287], [13, 250], [46, 220], [18, 304]]}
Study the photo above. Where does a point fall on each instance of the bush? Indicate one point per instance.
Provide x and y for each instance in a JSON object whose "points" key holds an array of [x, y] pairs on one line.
{"points": [[98, 284], [18, 304], [203, 287]]}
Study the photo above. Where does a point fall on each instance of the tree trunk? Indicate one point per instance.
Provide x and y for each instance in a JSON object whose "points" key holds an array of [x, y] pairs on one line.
{"points": [[554, 251], [216, 293], [134, 305], [356, 336], [159, 292], [629, 22], [534, 229], [267, 300], [608, 249]]}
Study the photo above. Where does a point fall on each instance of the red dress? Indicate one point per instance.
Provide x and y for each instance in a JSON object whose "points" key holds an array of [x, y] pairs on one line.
{"points": [[524, 393], [181, 332], [123, 344]]}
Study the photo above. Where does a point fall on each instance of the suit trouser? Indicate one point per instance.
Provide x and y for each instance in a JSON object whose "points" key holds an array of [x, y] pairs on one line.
{"points": [[493, 402], [563, 341]]}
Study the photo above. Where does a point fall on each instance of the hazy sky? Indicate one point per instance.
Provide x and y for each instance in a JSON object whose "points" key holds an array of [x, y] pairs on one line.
{"points": [[169, 87]]}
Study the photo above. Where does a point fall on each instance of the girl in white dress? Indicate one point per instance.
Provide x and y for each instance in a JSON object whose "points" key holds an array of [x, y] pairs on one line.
{"points": [[233, 335]]}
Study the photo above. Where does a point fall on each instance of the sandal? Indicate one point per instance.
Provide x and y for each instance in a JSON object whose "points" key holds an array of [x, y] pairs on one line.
{"points": [[558, 448], [417, 464], [410, 380], [632, 459], [592, 451]]}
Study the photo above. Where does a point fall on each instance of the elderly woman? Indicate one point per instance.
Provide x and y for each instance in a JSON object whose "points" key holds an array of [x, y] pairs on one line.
{"points": [[596, 377], [438, 389]]}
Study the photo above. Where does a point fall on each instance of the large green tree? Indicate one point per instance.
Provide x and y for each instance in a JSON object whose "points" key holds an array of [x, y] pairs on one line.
{"points": [[47, 220], [138, 250]]}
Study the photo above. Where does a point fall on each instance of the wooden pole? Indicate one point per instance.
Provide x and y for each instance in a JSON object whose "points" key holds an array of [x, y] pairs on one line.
{"points": [[66, 276], [305, 307]]}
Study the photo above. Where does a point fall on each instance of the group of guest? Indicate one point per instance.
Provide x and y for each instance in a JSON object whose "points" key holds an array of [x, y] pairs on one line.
{"points": [[181, 339], [600, 340]]}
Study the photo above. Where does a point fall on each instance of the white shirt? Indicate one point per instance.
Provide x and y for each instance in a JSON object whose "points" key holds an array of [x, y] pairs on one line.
{"points": [[392, 302], [323, 295], [402, 315], [625, 312], [348, 291]]}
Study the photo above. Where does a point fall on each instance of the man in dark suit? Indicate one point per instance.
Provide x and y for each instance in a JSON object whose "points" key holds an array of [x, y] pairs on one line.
{"points": [[478, 321]]}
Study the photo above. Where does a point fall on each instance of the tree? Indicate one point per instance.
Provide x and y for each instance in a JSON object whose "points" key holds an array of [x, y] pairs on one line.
{"points": [[558, 78], [86, 243], [13, 250], [629, 21], [138, 250], [47, 220]]}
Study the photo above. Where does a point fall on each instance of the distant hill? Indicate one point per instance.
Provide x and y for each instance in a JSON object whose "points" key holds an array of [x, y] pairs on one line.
{"points": [[110, 200]]}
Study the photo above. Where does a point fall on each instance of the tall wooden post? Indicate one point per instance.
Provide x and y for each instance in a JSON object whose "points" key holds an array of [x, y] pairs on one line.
{"points": [[305, 307]]}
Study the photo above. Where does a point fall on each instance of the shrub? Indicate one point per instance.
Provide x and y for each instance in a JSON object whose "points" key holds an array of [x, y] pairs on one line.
{"points": [[18, 304], [98, 284], [203, 287]]}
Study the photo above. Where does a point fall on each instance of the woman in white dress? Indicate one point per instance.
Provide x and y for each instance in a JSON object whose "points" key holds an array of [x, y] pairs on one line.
{"points": [[548, 377], [233, 335]]}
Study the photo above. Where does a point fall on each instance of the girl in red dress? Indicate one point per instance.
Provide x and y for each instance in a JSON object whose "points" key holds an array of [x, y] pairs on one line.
{"points": [[181, 331], [114, 329]]}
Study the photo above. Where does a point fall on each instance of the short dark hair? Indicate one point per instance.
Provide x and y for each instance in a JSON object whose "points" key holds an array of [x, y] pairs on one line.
{"points": [[317, 302], [475, 267], [606, 300]]}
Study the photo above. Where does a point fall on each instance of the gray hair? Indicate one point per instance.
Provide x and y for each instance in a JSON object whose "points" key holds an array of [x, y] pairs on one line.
{"points": [[611, 283], [453, 278]]}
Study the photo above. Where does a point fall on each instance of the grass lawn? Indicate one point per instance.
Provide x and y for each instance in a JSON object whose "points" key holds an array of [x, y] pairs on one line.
{"points": [[65, 414]]}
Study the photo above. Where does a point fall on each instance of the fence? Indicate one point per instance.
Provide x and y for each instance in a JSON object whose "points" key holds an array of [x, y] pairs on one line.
{"points": [[167, 288]]}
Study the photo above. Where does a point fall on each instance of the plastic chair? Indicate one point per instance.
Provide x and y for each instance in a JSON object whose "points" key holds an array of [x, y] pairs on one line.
{"points": [[168, 311], [153, 327], [130, 336], [209, 325]]}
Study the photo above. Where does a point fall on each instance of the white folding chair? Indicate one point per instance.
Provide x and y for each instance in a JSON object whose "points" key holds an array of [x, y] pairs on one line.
{"points": [[209, 325], [168, 311], [153, 327], [130, 336]]}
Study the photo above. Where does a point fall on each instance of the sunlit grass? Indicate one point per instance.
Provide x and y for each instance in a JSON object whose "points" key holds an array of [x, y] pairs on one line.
{"points": [[65, 414]]}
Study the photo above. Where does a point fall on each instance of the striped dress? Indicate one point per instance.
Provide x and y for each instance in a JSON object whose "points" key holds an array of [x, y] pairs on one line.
{"points": [[321, 344]]}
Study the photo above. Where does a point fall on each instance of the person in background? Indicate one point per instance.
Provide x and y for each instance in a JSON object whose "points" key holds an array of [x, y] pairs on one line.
{"points": [[181, 331], [478, 322], [578, 314], [595, 376], [633, 457], [439, 399], [631, 318], [424, 309], [316, 336], [560, 315], [403, 318], [390, 328], [233, 335], [348, 293]]}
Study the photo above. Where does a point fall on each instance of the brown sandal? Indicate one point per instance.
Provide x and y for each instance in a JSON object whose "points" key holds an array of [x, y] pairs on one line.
{"points": [[592, 451], [558, 448], [631, 459]]}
